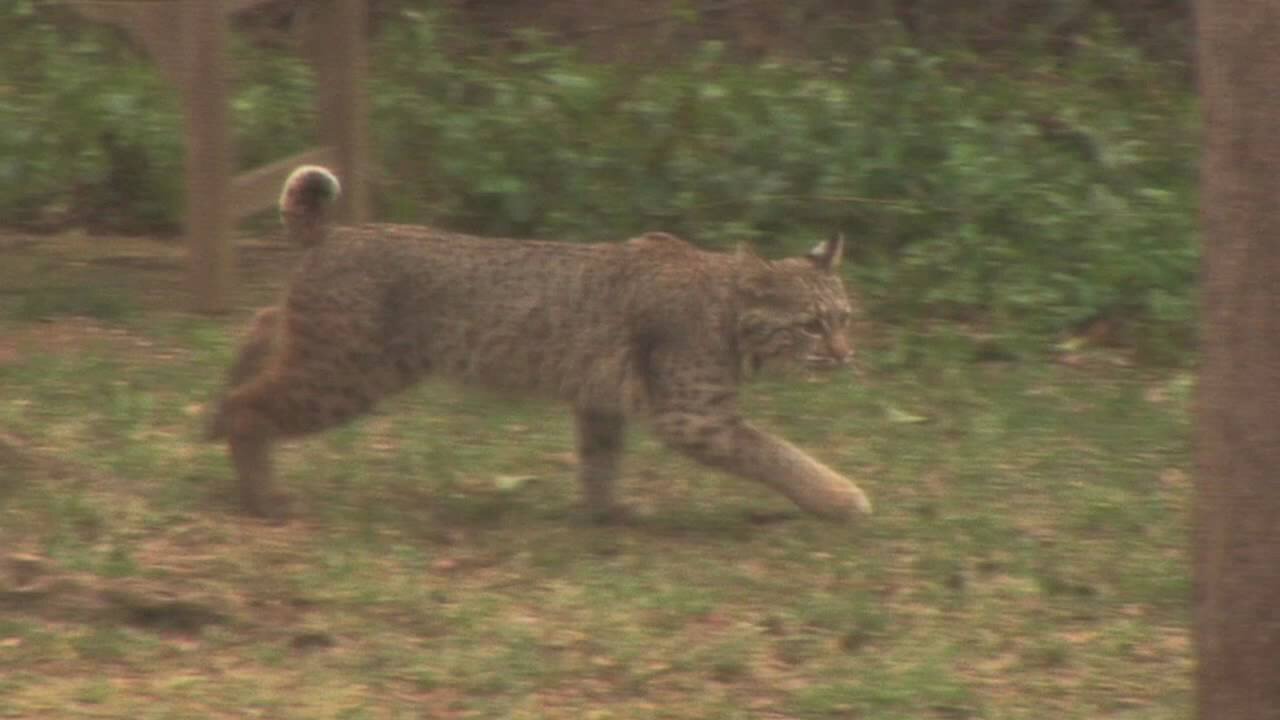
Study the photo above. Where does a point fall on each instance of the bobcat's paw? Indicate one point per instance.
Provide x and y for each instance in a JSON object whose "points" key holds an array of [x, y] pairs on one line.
{"points": [[845, 502], [861, 501]]}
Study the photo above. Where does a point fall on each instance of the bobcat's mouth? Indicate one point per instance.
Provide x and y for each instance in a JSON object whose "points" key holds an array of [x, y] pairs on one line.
{"points": [[827, 362]]}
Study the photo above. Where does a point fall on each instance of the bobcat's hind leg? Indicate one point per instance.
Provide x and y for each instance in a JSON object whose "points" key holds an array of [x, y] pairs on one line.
{"points": [[256, 347], [600, 439], [298, 395], [251, 358]]}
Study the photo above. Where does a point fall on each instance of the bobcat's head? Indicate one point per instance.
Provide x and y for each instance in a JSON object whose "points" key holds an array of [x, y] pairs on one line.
{"points": [[794, 311]]}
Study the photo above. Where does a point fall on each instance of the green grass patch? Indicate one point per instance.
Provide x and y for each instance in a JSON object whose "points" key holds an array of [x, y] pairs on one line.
{"points": [[1027, 558]]}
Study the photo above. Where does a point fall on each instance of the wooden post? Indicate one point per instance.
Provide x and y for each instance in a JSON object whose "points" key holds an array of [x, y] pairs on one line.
{"points": [[187, 39], [337, 41], [203, 29], [1237, 439]]}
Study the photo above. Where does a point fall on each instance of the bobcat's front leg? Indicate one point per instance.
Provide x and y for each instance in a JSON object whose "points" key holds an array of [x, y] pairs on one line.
{"points": [[728, 443], [600, 438], [695, 413]]}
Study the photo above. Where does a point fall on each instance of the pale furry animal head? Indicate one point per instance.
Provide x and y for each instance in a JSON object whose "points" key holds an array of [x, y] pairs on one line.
{"points": [[794, 311]]}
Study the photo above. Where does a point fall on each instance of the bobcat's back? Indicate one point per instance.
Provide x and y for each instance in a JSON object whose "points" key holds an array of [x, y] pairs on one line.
{"points": [[571, 320]]}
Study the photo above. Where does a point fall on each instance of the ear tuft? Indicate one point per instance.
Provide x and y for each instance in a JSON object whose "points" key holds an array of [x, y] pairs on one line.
{"points": [[827, 254]]}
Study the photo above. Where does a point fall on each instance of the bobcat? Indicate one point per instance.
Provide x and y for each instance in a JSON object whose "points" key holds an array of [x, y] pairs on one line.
{"points": [[651, 327]]}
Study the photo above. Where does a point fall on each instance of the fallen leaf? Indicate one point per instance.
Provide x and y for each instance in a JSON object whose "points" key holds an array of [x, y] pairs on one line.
{"points": [[1072, 344], [1173, 478], [566, 459], [901, 417], [510, 483]]}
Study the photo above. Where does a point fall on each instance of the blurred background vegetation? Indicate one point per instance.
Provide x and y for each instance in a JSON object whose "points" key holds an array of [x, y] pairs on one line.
{"points": [[1018, 172]]}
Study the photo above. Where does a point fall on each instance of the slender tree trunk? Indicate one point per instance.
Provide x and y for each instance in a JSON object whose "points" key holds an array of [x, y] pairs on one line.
{"points": [[1237, 542]]}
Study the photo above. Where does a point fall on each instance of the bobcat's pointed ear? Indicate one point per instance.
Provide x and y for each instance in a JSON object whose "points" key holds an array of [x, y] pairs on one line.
{"points": [[827, 254], [743, 251]]}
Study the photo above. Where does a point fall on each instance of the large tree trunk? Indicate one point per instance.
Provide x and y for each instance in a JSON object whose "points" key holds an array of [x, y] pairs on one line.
{"points": [[1237, 543]]}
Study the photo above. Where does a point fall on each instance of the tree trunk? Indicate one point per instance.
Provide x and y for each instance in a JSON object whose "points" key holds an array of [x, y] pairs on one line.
{"points": [[1237, 542]]}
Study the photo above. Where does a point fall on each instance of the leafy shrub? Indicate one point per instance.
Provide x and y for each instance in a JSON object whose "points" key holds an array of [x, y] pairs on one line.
{"points": [[1031, 199], [1026, 200], [86, 129]]}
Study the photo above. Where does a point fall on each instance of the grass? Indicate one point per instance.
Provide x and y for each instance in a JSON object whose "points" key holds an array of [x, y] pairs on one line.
{"points": [[1027, 558]]}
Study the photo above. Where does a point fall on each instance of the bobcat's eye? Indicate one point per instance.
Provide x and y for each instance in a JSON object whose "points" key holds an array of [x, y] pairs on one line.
{"points": [[814, 327]]}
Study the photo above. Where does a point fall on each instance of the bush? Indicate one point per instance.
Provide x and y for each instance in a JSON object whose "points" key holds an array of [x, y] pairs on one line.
{"points": [[1022, 200], [1030, 200], [87, 131]]}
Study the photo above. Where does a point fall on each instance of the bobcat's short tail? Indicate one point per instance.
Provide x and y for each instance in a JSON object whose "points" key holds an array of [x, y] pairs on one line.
{"points": [[306, 201]]}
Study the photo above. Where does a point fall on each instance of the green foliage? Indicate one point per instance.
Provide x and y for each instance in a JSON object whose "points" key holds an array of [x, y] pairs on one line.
{"points": [[86, 128], [1031, 199], [1024, 200]]}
